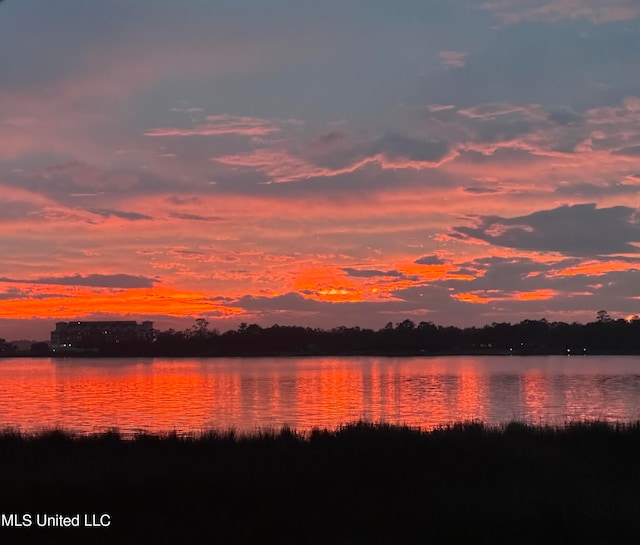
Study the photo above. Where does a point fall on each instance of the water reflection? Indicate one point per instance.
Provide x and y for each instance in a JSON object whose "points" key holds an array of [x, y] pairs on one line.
{"points": [[250, 393]]}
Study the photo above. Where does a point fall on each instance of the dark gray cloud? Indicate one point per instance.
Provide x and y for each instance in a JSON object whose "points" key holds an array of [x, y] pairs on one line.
{"points": [[432, 259], [506, 274], [480, 190], [183, 200], [497, 276], [592, 191], [428, 296], [501, 156], [15, 293], [581, 229], [337, 149], [59, 181], [90, 280], [195, 217], [511, 122], [619, 283], [465, 271], [367, 314], [331, 137], [288, 301], [399, 146], [507, 127], [371, 273], [565, 116], [189, 252], [222, 299], [524, 264], [106, 213]]}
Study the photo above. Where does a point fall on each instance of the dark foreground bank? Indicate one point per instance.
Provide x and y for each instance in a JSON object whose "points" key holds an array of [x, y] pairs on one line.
{"points": [[363, 483]]}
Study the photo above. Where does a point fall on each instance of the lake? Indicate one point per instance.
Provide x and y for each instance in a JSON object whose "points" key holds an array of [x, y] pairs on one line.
{"points": [[195, 394]]}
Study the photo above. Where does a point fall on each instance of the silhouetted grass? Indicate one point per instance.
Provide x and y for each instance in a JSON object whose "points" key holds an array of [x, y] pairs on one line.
{"points": [[361, 483]]}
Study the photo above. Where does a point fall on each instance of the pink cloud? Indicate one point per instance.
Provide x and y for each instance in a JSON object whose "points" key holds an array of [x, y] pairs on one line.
{"points": [[453, 59], [283, 165], [440, 107], [514, 11], [494, 110], [221, 124]]}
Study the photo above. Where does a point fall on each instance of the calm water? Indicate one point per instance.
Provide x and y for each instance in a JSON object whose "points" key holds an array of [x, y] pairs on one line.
{"points": [[88, 395]]}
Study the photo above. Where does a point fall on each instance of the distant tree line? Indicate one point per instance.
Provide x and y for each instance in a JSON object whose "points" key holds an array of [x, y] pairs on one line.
{"points": [[602, 336]]}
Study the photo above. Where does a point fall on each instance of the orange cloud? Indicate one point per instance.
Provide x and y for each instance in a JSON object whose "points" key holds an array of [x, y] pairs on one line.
{"points": [[536, 295], [472, 298], [490, 296], [594, 268], [321, 283], [65, 302]]}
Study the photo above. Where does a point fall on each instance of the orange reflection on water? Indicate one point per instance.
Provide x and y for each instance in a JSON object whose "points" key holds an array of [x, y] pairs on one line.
{"points": [[436, 403], [330, 393], [381, 394], [471, 393], [536, 395], [145, 395], [88, 395], [416, 394], [581, 390]]}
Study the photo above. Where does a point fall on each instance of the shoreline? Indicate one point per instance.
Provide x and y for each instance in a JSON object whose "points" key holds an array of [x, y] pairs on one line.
{"points": [[360, 426], [388, 354]]}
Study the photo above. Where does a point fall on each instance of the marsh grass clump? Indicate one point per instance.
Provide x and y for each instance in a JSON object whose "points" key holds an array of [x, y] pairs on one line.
{"points": [[360, 483]]}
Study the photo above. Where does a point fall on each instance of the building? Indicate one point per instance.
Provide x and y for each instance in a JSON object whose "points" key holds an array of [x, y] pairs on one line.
{"points": [[81, 336]]}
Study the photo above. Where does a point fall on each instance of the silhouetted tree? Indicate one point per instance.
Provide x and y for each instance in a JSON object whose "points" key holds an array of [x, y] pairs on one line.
{"points": [[40, 349], [200, 328]]}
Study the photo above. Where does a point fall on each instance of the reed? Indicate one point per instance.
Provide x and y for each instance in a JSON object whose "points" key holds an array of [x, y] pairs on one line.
{"points": [[361, 483]]}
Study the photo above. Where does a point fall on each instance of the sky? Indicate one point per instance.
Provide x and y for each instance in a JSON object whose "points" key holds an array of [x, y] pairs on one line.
{"points": [[318, 163]]}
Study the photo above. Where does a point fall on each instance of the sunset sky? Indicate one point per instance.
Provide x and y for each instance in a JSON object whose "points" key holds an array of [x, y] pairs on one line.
{"points": [[318, 163]]}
